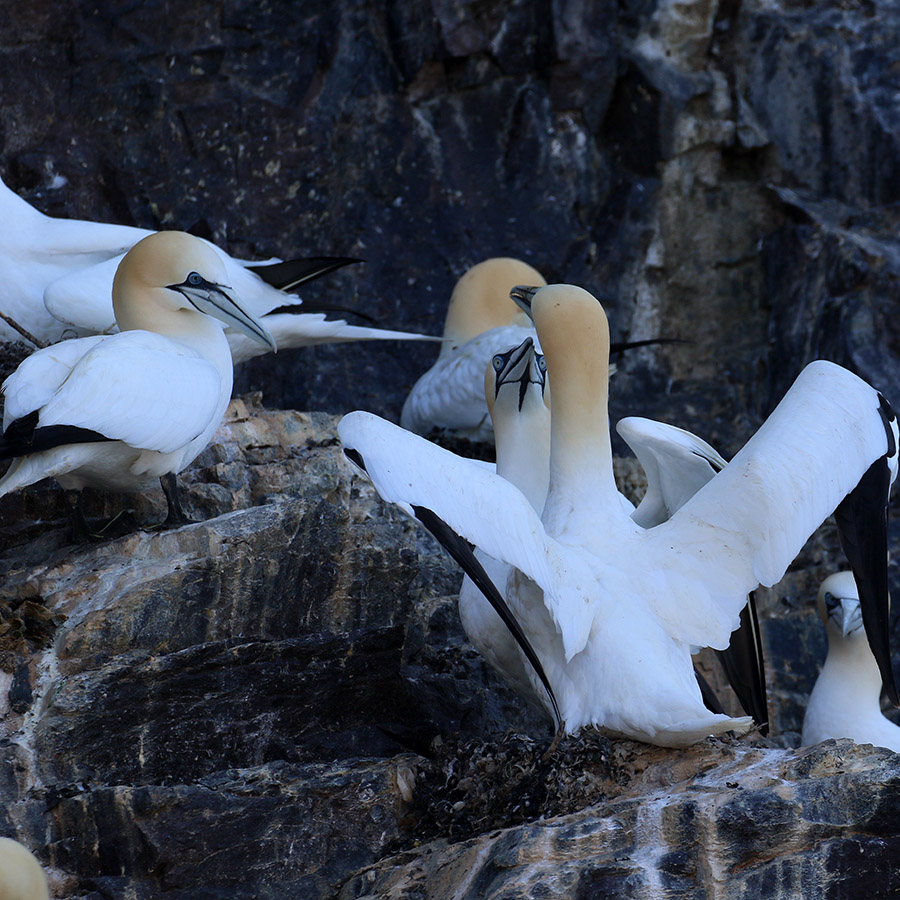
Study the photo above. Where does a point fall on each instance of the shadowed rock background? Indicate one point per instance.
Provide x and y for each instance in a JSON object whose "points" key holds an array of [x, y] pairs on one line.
{"points": [[280, 702]]}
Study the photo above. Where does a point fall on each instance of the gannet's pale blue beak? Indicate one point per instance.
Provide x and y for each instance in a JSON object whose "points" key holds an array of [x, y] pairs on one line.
{"points": [[216, 301]]}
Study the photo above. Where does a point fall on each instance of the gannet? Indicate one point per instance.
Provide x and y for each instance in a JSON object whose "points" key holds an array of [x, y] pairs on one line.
{"points": [[627, 603], [845, 702], [514, 390], [21, 877], [57, 276], [677, 464], [481, 321], [120, 411]]}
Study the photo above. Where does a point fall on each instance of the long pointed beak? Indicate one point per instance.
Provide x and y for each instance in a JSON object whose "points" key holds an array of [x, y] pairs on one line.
{"points": [[216, 301], [851, 620], [522, 295]]}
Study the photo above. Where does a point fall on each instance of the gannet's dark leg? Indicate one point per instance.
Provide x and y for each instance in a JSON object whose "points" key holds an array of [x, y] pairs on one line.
{"points": [[176, 515]]}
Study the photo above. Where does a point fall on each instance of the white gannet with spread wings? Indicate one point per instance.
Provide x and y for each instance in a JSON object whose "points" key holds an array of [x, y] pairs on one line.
{"points": [[627, 603], [120, 411]]}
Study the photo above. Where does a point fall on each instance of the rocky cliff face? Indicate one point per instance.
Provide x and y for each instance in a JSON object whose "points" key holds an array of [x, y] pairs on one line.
{"points": [[279, 701]]}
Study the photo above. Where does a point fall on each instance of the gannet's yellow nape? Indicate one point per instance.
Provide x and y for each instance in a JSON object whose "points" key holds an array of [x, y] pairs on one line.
{"points": [[21, 877], [122, 410], [480, 300]]}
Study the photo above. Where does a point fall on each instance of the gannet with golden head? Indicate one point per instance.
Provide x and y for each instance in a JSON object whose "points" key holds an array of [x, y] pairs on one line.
{"points": [[122, 410], [845, 702], [481, 321], [21, 877], [57, 277], [626, 602]]}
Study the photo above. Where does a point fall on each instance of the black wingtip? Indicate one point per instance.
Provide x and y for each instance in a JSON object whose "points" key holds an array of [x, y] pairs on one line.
{"points": [[622, 346], [861, 519], [355, 457], [744, 667], [306, 307], [462, 552], [293, 272], [23, 436]]}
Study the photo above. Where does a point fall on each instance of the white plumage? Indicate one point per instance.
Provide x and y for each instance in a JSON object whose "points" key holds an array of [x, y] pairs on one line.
{"points": [[21, 877], [625, 603], [845, 702], [58, 273], [122, 410]]}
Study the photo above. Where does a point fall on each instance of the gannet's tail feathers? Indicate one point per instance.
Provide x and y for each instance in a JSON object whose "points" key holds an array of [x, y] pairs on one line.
{"points": [[743, 663], [292, 273], [861, 519], [683, 734]]}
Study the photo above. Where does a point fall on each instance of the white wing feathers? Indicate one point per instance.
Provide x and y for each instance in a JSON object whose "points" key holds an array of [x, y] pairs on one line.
{"points": [[479, 505], [40, 375], [677, 464], [747, 525], [153, 411]]}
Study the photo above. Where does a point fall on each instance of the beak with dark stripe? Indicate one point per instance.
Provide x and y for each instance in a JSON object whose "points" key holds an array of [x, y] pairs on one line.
{"points": [[214, 300], [520, 366]]}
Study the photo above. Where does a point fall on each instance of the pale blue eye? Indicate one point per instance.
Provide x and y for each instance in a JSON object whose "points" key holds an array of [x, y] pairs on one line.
{"points": [[497, 363]]}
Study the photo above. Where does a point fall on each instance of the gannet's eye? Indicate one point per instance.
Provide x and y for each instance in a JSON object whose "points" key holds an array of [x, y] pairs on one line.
{"points": [[542, 363], [194, 278], [497, 362]]}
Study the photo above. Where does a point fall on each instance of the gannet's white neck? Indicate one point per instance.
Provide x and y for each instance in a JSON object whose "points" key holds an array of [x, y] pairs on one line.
{"points": [[522, 428], [851, 665]]}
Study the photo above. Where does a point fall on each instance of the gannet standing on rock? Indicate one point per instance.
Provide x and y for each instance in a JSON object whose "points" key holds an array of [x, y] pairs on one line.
{"points": [[21, 877], [845, 702], [626, 603], [122, 410], [57, 275], [481, 321]]}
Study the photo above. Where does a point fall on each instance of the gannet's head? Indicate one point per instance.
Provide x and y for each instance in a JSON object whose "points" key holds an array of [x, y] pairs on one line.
{"points": [[480, 300], [21, 877], [838, 605], [515, 381], [574, 335], [170, 274]]}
